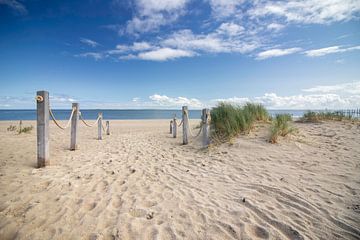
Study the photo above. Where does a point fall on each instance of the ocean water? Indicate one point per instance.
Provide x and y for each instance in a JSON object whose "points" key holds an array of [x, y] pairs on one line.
{"points": [[120, 114]]}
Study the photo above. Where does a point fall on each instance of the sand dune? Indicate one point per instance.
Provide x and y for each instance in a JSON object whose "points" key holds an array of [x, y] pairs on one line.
{"points": [[140, 183]]}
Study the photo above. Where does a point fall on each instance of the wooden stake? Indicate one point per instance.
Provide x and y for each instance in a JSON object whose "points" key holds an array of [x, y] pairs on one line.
{"points": [[206, 127], [107, 128], [185, 123], [42, 112], [174, 131], [171, 126], [74, 126], [100, 126]]}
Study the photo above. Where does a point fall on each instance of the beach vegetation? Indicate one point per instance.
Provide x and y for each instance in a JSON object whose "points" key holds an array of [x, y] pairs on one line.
{"points": [[25, 129], [11, 128], [229, 120], [280, 127], [315, 117]]}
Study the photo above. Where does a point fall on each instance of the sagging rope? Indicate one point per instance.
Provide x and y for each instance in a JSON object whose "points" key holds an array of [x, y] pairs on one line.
{"points": [[57, 123], [191, 133], [86, 124]]}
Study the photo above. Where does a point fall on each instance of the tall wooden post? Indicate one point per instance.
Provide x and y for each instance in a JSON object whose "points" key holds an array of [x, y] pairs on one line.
{"points": [[74, 126], [206, 127], [174, 130], [107, 128], [185, 122], [171, 126], [42, 112], [20, 126], [100, 126]]}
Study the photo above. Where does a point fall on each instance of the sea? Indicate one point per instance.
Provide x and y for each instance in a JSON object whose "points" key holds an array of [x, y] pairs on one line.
{"points": [[110, 114]]}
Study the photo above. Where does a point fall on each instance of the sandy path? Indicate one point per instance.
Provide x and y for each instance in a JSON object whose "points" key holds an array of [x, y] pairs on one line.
{"points": [[139, 183]]}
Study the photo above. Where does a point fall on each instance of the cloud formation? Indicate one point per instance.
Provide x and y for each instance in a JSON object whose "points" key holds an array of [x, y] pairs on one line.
{"points": [[17, 6], [276, 53], [89, 42], [233, 26], [329, 50]]}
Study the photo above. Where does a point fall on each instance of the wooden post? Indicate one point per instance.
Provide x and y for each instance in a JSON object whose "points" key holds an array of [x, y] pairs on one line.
{"points": [[20, 126], [107, 128], [174, 131], [74, 126], [185, 124], [42, 112], [206, 127], [171, 126], [99, 127]]}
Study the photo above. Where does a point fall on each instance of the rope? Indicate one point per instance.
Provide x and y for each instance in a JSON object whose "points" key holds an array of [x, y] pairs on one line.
{"points": [[102, 125], [182, 121], [57, 123], [191, 133], [86, 124]]}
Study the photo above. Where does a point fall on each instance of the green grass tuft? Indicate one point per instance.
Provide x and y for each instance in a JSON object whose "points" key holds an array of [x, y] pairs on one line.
{"points": [[26, 130], [230, 120], [280, 127], [11, 128]]}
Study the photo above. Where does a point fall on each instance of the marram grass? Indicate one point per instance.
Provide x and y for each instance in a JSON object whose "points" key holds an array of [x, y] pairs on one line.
{"points": [[229, 120], [314, 117], [280, 127]]}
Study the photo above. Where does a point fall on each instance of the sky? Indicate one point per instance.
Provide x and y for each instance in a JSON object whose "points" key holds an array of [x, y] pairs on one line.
{"points": [[137, 54]]}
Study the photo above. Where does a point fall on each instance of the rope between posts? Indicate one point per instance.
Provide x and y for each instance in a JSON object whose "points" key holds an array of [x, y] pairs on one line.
{"points": [[57, 123], [182, 121], [86, 124], [191, 133]]}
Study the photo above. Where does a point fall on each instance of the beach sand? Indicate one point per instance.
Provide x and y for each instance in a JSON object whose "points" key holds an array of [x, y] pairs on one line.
{"points": [[140, 183]]}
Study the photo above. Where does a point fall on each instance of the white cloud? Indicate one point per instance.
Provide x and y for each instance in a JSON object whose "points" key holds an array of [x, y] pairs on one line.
{"points": [[313, 101], [275, 26], [329, 50], [17, 6], [352, 88], [307, 11], [231, 29], [89, 42], [276, 53], [225, 8], [165, 101], [95, 55], [213, 42], [164, 54], [152, 14]]}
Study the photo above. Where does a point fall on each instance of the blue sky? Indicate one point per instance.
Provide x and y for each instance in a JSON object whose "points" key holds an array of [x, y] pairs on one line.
{"points": [[168, 53]]}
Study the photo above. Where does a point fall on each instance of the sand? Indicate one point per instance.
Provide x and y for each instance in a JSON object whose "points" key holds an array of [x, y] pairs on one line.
{"points": [[140, 183]]}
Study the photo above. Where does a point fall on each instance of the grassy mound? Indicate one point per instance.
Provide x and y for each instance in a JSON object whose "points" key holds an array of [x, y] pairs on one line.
{"points": [[229, 120]]}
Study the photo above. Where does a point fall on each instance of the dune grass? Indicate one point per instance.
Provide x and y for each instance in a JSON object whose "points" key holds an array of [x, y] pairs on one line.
{"points": [[11, 128], [26, 129], [314, 117], [280, 127], [229, 120]]}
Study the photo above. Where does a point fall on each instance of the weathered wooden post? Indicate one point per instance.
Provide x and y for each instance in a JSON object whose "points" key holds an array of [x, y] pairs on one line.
{"points": [[100, 126], [42, 112], [205, 127], [74, 126], [174, 131], [185, 123], [171, 126], [20, 126], [107, 128]]}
